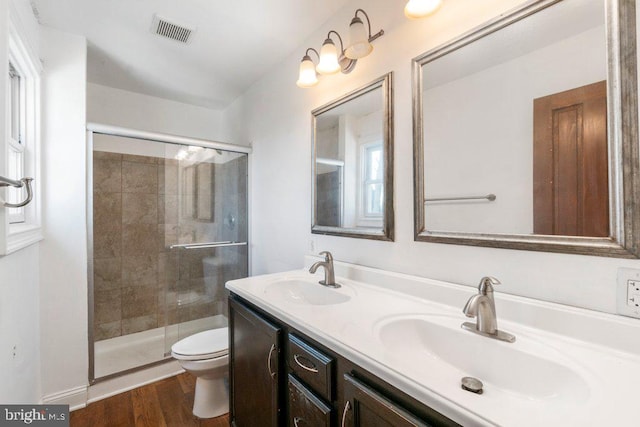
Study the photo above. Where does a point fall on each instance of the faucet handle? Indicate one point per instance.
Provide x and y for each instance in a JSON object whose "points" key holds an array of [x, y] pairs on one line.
{"points": [[487, 283], [327, 256]]}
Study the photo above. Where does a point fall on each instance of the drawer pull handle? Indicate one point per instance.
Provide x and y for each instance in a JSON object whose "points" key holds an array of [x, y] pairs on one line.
{"points": [[296, 420], [344, 413], [273, 374], [311, 368]]}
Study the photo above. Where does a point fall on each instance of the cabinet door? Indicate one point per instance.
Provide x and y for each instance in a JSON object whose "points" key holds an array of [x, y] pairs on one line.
{"points": [[306, 409], [365, 407], [254, 368]]}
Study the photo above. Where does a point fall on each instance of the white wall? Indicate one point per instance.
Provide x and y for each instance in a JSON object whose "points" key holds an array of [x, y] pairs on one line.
{"points": [[276, 118], [137, 111], [63, 273], [20, 302], [19, 327]]}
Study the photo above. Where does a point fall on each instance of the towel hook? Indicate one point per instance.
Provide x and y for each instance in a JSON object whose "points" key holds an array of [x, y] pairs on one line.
{"points": [[24, 182]]}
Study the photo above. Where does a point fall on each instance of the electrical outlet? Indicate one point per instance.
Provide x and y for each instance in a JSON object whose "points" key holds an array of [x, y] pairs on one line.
{"points": [[633, 293], [628, 300]]}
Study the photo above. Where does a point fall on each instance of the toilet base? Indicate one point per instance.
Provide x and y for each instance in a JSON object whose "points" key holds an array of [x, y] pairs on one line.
{"points": [[211, 398]]}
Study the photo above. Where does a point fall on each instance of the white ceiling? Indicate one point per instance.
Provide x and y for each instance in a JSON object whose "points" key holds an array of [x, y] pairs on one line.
{"points": [[235, 43]]}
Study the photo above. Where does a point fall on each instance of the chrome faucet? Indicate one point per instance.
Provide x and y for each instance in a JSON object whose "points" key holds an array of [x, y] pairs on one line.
{"points": [[483, 307], [329, 276]]}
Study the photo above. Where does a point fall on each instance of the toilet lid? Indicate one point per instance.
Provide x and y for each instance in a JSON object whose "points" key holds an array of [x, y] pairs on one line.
{"points": [[203, 345]]}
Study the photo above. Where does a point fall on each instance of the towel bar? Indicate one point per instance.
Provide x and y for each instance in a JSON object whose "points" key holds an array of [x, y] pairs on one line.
{"points": [[24, 182]]}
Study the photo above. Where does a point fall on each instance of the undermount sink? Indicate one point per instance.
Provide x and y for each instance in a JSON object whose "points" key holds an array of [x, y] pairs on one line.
{"points": [[304, 293], [527, 368]]}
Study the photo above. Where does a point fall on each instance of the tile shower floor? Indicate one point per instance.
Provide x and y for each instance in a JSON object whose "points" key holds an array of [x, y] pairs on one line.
{"points": [[142, 348]]}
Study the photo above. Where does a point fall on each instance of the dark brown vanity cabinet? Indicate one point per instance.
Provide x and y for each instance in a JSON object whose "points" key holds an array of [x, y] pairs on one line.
{"points": [[254, 366], [279, 377]]}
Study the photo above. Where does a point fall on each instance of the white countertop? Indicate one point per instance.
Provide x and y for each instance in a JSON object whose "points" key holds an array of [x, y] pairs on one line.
{"points": [[601, 380]]}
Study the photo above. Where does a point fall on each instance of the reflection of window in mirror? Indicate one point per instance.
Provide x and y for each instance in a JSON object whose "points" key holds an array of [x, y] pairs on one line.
{"points": [[350, 165], [371, 185]]}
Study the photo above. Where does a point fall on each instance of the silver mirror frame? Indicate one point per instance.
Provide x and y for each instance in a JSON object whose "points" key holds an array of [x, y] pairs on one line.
{"points": [[387, 233], [622, 116]]}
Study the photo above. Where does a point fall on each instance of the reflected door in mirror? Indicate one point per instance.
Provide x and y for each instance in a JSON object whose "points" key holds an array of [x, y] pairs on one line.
{"points": [[571, 187]]}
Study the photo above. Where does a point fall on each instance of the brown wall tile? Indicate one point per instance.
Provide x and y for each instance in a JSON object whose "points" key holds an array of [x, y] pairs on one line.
{"points": [[107, 176], [138, 324], [139, 178], [167, 236], [108, 306], [139, 239], [107, 274], [107, 243], [140, 271], [139, 301], [106, 155], [168, 178], [107, 330], [139, 208], [139, 159], [167, 269], [167, 209], [107, 225], [107, 211]]}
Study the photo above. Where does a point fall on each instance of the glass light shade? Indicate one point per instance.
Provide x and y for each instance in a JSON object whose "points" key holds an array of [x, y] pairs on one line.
{"points": [[328, 58], [416, 9], [359, 45], [307, 76]]}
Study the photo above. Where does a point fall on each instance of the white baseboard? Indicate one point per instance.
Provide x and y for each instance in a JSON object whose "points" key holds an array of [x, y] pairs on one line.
{"points": [[111, 387], [76, 398], [80, 397]]}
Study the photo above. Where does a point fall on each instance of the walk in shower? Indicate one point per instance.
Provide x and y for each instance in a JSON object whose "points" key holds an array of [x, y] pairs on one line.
{"points": [[168, 227]]}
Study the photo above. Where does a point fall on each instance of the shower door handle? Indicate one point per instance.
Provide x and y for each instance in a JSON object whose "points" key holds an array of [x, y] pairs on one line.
{"points": [[207, 245]]}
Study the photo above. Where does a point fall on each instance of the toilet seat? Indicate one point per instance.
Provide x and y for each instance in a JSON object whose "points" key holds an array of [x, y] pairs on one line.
{"points": [[209, 344]]}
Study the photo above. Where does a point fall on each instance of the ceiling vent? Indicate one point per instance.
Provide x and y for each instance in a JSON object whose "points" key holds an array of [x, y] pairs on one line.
{"points": [[171, 30]]}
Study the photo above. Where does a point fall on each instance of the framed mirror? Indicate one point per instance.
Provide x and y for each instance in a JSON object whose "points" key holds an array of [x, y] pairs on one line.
{"points": [[352, 164], [525, 132]]}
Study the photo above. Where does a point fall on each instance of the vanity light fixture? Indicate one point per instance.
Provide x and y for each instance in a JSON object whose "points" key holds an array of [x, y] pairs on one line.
{"points": [[360, 39], [330, 60], [416, 9], [307, 76]]}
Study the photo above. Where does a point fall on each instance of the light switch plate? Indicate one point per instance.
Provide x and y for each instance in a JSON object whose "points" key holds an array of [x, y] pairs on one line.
{"points": [[628, 292]]}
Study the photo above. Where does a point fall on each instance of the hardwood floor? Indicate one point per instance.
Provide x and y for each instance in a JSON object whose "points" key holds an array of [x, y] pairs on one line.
{"points": [[166, 403]]}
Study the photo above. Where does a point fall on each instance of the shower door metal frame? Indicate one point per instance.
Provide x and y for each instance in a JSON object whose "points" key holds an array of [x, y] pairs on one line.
{"points": [[103, 129]]}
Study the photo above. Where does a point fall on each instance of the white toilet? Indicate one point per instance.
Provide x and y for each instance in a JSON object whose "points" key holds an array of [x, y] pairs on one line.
{"points": [[206, 355]]}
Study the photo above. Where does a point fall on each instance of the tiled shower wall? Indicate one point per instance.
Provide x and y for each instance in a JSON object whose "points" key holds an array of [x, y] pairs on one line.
{"points": [[328, 206], [139, 284], [127, 191]]}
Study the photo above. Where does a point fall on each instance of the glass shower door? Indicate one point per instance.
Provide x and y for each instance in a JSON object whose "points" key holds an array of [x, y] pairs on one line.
{"points": [[168, 229], [208, 245]]}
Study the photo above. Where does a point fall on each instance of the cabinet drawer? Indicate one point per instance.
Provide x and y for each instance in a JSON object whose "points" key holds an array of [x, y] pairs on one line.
{"points": [[305, 409], [314, 368]]}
